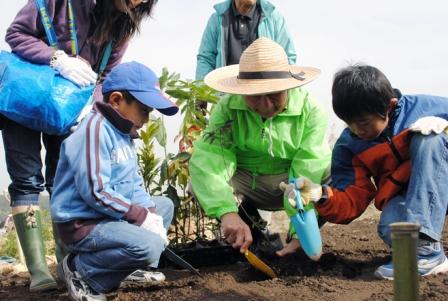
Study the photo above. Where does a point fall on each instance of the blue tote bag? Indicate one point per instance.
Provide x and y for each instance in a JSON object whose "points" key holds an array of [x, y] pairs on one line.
{"points": [[36, 96]]}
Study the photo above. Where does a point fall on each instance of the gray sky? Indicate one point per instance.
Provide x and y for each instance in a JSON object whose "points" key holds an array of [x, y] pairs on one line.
{"points": [[406, 39]]}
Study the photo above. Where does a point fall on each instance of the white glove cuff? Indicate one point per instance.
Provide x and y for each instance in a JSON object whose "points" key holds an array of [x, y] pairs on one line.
{"points": [[315, 194], [56, 55]]}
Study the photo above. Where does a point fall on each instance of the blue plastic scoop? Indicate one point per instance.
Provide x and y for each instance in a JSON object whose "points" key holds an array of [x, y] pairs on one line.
{"points": [[304, 222]]}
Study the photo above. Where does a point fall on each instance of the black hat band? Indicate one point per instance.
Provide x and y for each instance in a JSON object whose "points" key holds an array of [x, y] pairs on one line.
{"points": [[271, 75]]}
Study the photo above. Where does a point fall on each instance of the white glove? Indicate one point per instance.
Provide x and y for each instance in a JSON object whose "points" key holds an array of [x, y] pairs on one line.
{"points": [[73, 69], [309, 191], [426, 125], [154, 223]]}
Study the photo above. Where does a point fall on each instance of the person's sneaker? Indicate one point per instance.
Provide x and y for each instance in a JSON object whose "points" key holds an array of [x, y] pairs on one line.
{"points": [[431, 260], [146, 277], [78, 290], [385, 271]]}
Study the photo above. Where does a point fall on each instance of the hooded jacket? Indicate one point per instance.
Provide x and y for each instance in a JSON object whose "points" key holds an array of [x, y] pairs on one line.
{"points": [[378, 169], [291, 142], [212, 52], [98, 176]]}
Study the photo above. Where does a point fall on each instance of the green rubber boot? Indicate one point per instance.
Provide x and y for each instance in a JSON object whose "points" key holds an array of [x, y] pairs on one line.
{"points": [[61, 249], [27, 220]]}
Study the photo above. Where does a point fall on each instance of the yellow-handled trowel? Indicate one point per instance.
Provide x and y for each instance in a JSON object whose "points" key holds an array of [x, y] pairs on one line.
{"points": [[259, 264]]}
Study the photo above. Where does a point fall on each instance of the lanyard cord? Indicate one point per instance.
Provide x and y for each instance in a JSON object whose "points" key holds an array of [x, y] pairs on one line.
{"points": [[105, 59], [51, 34], [49, 29], [46, 22], [72, 29]]}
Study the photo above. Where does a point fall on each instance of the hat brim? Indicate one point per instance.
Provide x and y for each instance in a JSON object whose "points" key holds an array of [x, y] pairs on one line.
{"points": [[225, 80], [155, 99]]}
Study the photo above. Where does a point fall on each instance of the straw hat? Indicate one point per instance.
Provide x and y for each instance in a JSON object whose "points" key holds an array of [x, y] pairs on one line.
{"points": [[263, 69]]}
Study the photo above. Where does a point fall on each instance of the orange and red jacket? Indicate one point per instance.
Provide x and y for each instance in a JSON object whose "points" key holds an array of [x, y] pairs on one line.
{"points": [[376, 169]]}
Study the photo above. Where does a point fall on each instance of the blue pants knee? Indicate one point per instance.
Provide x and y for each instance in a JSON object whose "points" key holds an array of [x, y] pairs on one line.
{"points": [[424, 202]]}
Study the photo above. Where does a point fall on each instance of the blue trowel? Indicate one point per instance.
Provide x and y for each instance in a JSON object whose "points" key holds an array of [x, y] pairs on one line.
{"points": [[304, 222]]}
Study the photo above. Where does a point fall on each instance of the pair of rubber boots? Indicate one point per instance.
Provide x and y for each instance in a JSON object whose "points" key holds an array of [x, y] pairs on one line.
{"points": [[28, 224]]}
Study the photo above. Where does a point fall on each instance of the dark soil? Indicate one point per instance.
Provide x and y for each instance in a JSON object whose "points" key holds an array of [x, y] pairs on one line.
{"points": [[345, 272]]}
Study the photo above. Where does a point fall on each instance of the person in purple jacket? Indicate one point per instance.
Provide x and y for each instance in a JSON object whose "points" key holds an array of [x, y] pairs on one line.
{"points": [[97, 23]]}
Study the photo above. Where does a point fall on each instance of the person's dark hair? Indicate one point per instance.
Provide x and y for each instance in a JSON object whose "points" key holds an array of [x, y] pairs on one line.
{"points": [[118, 26], [360, 89], [127, 96]]}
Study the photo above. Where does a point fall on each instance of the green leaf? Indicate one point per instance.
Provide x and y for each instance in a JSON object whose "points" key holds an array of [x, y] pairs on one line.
{"points": [[182, 157], [178, 94], [183, 177], [160, 134], [163, 171], [169, 156], [163, 78]]}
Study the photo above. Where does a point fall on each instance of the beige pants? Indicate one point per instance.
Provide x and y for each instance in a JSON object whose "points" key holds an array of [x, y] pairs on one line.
{"points": [[266, 195], [260, 191]]}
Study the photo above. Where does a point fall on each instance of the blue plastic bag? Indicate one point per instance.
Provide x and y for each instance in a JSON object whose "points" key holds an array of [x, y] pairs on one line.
{"points": [[37, 97]]}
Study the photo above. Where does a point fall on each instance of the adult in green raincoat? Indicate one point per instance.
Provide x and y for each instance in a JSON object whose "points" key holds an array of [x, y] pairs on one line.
{"points": [[265, 130]]}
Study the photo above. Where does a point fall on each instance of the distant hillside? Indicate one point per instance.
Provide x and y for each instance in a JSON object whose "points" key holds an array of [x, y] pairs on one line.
{"points": [[5, 209]]}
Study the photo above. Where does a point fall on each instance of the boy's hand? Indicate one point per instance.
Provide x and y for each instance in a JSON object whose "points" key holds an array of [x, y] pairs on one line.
{"points": [[154, 223], [290, 248], [309, 191], [426, 125]]}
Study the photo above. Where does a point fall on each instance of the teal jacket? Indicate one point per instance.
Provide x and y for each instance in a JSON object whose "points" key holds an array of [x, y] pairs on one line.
{"points": [[293, 142], [213, 50]]}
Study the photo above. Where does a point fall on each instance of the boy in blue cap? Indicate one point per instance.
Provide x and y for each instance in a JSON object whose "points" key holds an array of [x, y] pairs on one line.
{"points": [[101, 210]]}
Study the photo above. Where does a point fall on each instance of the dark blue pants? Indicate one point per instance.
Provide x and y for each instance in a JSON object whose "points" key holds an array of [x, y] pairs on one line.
{"points": [[24, 162]]}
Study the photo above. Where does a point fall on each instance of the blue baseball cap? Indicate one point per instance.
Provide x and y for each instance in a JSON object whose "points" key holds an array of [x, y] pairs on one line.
{"points": [[142, 83]]}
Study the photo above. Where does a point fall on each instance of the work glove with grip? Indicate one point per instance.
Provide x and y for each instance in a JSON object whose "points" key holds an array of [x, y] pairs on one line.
{"points": [[74, 69], [428, 124], [309, 191], [154, 223]]}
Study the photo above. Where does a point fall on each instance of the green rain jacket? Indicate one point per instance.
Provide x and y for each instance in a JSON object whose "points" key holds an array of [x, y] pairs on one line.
{"points": [[293, 142]]}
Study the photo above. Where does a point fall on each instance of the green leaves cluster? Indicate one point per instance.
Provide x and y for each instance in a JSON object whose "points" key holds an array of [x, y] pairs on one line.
{"points": [[188, 95], [169, 175]]}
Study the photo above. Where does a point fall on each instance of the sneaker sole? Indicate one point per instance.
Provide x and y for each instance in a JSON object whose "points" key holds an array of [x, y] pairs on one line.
{"points": [[380, 276], [131, 281], [440, 269], [146, 281]]}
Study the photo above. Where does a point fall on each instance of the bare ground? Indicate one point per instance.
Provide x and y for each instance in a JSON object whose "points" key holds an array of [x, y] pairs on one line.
{"points": [[351, 254]]}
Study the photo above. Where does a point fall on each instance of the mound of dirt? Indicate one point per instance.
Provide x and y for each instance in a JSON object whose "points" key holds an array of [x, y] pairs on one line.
{"points": [[345, 272]]}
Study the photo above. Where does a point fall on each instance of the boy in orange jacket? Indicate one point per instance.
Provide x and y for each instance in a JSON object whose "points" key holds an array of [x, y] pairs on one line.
{"points": [[395, 152]]}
